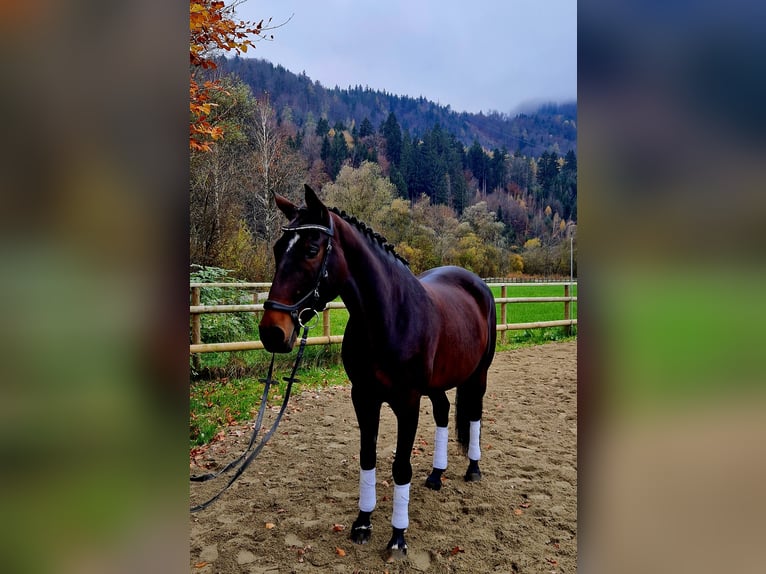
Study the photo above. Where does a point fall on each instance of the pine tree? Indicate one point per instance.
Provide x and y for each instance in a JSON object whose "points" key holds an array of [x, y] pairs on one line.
{"points": [[323, 127], [392, 133], [366, 129]]}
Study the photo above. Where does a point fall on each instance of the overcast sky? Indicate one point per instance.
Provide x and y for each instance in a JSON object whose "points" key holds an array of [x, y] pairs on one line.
{"points": [[481, 55]]}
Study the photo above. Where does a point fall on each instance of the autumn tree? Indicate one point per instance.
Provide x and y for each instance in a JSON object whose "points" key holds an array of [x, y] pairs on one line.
{"points": [[218, 175], [233, 220], [364, 192], [213, 30], [275, 167]]}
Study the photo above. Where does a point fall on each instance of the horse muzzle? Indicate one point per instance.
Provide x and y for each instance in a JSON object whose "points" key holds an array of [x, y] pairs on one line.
{"points": [[277, 337]]}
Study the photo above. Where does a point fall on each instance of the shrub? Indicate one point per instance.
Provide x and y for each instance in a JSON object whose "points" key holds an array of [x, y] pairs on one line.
{"points": [[222, 327]]}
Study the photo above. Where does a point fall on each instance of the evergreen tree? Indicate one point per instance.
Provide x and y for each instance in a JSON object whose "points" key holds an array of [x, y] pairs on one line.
{"points": [[325, 152], [567, 186], [547, 170], [477, 163], [406, 166], [366, 129], [338, 154], [323, 127], [497, 172], [392, 133], [570, 162], [398, 180]]}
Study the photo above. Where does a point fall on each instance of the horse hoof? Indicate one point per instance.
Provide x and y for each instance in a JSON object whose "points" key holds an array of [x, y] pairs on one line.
{"points": [[395, 554], [361, 534], [434, 480], [397, 546], [472, 476]]}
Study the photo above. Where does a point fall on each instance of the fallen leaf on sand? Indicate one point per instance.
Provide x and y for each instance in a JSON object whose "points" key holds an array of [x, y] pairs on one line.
{"points": [[340, 551], [270, 525], [200, 564], [518, 512], [338, 527]]}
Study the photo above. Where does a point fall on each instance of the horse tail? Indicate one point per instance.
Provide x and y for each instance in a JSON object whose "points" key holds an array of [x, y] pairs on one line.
{"points": [[469, 397]]}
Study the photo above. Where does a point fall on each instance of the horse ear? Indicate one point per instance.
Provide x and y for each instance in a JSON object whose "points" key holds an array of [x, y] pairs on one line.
{"points": [[314, 204], [286, 206]]}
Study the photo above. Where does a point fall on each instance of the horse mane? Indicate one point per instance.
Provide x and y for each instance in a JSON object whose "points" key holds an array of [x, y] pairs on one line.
{"points": [[371, 235]]}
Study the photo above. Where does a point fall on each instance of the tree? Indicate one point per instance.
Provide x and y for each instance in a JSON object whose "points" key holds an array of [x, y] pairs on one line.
{"points": [[484, 223], [547, 170], [338, 153], [232, 214], [218, 175], [212, 28], [392, 133], [477, 163], [323, 127], [276, 169], [366, 129], [443, 222], [364, 193]]}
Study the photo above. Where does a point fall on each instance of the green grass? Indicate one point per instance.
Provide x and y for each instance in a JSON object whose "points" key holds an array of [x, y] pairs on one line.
{"points": [[531, 312], [234, 393], [218, 403]]}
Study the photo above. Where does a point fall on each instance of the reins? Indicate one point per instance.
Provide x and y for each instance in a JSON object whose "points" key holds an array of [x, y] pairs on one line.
{"points": [[307, 304], [247, 457]]}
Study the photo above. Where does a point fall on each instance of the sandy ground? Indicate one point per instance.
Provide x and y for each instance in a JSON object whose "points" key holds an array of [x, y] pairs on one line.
{"points": [[291, 511]]}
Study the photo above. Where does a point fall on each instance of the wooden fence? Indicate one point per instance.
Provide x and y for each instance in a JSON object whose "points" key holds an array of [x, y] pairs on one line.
{"points": [[197, 309]]}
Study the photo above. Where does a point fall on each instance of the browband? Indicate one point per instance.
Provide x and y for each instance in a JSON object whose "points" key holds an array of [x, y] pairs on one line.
{"points": [[326, 230]]}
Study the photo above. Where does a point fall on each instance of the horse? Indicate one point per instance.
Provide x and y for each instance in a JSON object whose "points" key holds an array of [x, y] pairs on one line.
{"points": [[406, 337]]}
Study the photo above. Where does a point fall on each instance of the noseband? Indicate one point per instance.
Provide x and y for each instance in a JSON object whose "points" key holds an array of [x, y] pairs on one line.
{"points": [[310, 301]]}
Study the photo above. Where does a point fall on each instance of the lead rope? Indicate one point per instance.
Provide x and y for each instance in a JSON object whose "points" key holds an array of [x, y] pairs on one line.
{"points": [[249, 458]]}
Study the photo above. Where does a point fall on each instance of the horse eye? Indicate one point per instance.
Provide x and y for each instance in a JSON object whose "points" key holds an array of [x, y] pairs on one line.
{"points": [[312, 252]]}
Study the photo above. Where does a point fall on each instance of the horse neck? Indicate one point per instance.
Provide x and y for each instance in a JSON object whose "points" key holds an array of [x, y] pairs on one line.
{"points": [[376, 281]]}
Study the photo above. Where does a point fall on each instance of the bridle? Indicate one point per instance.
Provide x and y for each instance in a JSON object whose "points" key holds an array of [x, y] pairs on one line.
{"points": [[311, 301]]}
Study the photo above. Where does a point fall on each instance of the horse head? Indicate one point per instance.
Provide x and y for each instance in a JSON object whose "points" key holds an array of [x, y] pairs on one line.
{"points": [[302, 285]]}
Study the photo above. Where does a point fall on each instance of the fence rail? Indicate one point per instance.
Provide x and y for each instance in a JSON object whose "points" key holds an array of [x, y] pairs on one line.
{"points": [[196, 309]]}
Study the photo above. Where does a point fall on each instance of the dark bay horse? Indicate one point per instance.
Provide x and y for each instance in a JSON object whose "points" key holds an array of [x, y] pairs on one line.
{"points": [[406, 337]]}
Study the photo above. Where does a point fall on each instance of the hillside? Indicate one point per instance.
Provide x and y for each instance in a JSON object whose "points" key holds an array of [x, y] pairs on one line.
{"points": [[553, 127]]}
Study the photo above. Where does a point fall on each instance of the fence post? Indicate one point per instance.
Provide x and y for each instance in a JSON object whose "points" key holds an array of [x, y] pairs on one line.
{"points": [[326, 323], [196, 321], [503, 318], [567, 310], [256, 314]]}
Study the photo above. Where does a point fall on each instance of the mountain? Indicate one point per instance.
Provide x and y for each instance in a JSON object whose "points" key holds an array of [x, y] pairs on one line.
{"points": [[552, 127]]}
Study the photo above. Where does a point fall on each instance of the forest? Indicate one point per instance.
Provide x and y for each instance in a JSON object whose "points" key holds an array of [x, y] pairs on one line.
{"points": [[551, 126], [442, 187]]}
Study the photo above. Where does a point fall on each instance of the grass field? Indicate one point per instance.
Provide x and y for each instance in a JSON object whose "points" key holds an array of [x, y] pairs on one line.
{"points": [[231, 392]]}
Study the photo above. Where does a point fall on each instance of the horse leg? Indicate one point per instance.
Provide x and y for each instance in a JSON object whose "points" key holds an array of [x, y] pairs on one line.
{"points": [[368, 416], [441, 407], [469, 405], [407, 426]]}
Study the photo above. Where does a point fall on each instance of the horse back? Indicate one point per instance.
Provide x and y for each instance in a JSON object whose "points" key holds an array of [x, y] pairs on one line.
{"points": [[466, 323]]}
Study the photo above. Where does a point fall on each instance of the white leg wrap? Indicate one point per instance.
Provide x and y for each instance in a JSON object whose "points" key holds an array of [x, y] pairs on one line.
{"points": [[367, 490], [440, 448], [474, 452], [401, 515]]}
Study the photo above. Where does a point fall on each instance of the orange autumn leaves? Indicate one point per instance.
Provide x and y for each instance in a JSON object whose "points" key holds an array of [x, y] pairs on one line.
{"points": [[212, 29]]}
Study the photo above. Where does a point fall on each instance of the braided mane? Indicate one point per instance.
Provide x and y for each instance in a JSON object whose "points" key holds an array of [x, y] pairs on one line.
{"points": [[369, 233]]}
